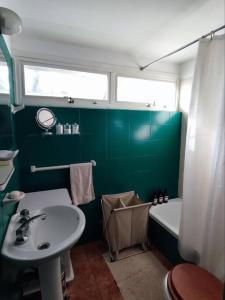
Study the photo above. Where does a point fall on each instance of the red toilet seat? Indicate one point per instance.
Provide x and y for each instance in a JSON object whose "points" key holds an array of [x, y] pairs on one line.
{"points": [[190, 282]]}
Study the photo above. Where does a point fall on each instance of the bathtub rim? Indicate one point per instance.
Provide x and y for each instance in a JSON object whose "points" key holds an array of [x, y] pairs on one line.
{"points": [[161, 221]]}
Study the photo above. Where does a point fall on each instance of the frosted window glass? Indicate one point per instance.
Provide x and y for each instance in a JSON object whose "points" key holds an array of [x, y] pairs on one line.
{"points": [[4, 78], [51, 82], [162, 93]]}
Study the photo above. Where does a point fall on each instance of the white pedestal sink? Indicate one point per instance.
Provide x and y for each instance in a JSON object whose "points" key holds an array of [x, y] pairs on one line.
{"points": [[47, 240]]}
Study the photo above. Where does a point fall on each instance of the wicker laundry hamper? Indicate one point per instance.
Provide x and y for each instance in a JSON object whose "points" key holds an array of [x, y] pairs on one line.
{"points": [[125, 219]]}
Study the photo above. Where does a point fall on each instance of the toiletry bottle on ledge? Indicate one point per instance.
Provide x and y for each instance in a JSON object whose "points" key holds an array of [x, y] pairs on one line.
{"points": [[155, 199], [59, 128], [67, 128], [160, 201], [165, 196], [75, 128], [78, 128]]}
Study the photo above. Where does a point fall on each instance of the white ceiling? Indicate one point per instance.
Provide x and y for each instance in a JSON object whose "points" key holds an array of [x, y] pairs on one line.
{"points": [[144, 29]]}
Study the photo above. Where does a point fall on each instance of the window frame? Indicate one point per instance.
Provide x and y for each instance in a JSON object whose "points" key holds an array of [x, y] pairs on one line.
{"points": [[152, 78], [48, 99], [112, 72], [4, 98], [4, 94]]}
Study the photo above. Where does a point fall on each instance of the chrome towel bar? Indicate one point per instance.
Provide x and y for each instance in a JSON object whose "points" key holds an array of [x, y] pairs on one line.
{"points": [[34, 169]]}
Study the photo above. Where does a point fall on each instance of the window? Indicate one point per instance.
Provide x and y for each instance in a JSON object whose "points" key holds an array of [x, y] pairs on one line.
{"points": [[52, 82], [4, 78], [159, 93]]}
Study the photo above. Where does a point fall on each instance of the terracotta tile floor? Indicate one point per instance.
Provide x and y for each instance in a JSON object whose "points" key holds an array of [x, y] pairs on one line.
{"points": [[93, 280]]}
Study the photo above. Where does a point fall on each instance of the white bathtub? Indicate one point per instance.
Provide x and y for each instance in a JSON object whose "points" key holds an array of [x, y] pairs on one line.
{"points": [[168, 215]]}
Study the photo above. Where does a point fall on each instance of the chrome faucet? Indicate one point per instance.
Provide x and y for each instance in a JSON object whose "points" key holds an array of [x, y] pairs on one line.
{"points": [[21, 236]]}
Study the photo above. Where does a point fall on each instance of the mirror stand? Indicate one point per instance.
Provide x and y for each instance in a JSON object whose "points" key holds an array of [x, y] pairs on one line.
{"points": [[46, 132]]}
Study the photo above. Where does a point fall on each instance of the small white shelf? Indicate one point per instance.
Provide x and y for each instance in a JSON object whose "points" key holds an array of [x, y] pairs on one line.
{"points": [[67, 134], [6, 167], [53, 134], [6, 173]]}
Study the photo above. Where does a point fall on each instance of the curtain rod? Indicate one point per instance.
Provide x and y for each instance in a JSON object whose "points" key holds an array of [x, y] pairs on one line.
{"points": [[183, 47]]}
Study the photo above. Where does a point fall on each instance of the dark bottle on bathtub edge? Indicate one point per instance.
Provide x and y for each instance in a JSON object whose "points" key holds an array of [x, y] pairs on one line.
{"points": [[155, 199], [160, 197], [165, 196]]}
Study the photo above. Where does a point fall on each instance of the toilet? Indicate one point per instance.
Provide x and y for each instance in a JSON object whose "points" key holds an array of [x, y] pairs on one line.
{"points": [[190, 282]]}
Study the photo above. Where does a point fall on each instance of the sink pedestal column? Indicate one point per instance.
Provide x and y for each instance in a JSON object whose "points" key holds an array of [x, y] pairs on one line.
{"points": [[66, 262], [50, 279]]}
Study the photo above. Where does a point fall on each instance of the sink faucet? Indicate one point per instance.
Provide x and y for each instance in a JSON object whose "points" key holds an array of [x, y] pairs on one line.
{"points": [[21, 230]]}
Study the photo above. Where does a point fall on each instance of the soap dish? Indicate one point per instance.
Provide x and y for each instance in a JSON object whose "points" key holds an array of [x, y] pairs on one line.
{"points": [[14, 196]]}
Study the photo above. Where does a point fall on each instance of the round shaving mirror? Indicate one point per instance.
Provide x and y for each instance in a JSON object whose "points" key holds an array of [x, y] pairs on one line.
{"points": [[45, 119]]}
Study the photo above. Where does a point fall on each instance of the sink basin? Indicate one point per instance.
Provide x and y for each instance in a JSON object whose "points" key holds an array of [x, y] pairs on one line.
{"points": [[48, 238]]}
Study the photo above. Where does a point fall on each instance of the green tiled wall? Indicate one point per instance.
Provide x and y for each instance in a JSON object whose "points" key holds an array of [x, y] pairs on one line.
{"points": [[133, 149], [6, 133]]}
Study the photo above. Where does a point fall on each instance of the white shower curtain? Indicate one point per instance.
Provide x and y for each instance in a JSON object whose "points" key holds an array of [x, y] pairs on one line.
{"points": [[202, 230]]}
